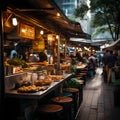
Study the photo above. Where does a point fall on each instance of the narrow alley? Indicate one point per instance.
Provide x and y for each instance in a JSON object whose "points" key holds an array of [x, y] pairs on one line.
{"points": [[98, 100]]}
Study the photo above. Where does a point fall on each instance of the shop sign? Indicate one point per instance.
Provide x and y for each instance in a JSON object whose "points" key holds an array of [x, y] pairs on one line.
{"points": [[26, 31], [50, 38]]}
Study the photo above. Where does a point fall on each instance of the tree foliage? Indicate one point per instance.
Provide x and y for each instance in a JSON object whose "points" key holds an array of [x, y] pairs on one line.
{"points": [[81, 11], [106, 12]]}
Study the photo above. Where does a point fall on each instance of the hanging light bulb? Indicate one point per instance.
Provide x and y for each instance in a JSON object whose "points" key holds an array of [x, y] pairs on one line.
{"points": [[14, 21], [57, 36], [41, 32]]}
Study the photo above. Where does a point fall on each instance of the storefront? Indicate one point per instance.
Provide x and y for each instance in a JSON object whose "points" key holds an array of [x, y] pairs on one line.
{"points": [[31, 20]]}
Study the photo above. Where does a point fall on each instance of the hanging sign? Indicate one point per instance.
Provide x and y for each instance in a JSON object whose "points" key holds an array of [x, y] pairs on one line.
{"points": [[26, 31]]}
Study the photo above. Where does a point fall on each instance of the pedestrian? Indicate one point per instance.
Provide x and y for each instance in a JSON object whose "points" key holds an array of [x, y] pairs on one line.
{"points": [[111, 60], [99, 59], [91, 68], [105, 67]]}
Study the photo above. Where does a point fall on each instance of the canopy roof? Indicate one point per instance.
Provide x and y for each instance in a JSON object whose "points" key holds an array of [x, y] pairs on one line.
{"points": [[46, 13], [114, 45]]}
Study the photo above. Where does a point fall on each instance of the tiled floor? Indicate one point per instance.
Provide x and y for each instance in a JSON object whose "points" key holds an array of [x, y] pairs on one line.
{"points": [[98, 100]]}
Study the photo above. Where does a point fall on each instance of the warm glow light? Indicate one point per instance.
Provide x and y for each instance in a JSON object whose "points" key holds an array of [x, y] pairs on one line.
{"points": [[57, 36], [86, 48], [58, 14], [23, 30], [80, 49], [14, 21], [63, 45], [41, 32], [50, 38]]}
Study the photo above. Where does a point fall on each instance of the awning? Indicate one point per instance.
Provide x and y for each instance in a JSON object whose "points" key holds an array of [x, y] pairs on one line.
{"points": [[49, 15], [114, 45]]}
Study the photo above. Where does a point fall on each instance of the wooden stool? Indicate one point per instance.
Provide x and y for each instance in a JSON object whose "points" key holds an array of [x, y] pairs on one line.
{"points": [[50, 111], [66, 102], [75, 95], [83, 76]]}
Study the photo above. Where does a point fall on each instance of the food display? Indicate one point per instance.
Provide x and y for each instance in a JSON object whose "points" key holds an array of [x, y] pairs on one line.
{"points": [[56, 77], [30, 89], [31, 77], [22, 83], [42, 82]]}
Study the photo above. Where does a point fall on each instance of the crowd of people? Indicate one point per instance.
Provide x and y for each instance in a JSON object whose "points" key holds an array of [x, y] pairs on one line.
{"points": [[109, 60], [91, 61]]}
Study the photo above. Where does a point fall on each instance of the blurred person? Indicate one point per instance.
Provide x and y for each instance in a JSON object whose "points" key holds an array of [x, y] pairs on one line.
{"points": [[42, 56], [104, 61], [25, 55], [32, 56], [99, 59], [110, 63], [79, 57], [91, 67], [13, 53], [92, 57]]}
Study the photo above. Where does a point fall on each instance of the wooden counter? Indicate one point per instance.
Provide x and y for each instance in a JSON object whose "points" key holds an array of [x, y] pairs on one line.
{"points": [[39, 94]]}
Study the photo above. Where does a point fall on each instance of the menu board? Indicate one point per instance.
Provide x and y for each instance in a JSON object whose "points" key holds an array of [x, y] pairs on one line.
{"points": [[26, 31]]}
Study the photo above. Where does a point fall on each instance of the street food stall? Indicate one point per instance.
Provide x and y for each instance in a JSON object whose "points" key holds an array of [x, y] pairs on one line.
{"points": [[39, 26]]}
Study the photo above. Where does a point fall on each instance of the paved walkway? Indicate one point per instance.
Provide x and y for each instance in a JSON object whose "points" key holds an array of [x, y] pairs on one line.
{"points": [[98, 101]]}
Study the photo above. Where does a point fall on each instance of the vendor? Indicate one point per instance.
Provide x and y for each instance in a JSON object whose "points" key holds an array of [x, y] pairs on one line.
{"points": [[32, 56], [42, 56], [13, 54]]}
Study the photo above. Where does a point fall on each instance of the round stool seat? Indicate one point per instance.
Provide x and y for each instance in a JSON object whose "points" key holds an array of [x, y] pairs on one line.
{"points": [[50, 108], [72, 90], [50, 112], [66, 102], [62, 99]]}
